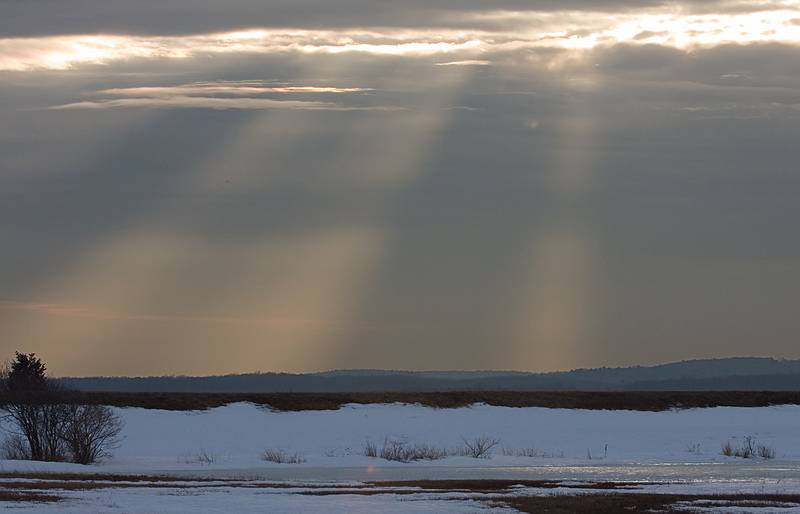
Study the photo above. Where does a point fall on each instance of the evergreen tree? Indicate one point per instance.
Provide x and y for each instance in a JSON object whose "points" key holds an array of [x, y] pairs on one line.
{"points": [[27, 373]]}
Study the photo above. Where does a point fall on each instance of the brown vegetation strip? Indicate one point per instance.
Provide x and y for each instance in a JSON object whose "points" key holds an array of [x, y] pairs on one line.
{"points": [[632, 503], [77, 481], [27, 496], [35, 481], [105, 477], [623, 400]]}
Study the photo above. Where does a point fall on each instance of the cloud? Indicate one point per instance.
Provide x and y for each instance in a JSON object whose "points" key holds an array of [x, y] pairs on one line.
{"points": [[201, 102], [472, 62], [187, 17], [658, 135], [183, 17], [69, 52], [235, 88], [220, 95], [508, 31]]}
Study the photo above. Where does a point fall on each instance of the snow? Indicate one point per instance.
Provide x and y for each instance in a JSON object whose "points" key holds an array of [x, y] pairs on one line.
{"points": [[235, 436], [247, 500], [678, 448], [184, 496]]}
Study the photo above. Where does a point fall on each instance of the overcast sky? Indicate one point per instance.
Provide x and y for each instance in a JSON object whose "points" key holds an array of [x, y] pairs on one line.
{"points": [[218, 186]]}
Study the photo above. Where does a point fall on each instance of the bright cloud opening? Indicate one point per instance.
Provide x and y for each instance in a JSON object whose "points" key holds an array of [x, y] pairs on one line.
{"points": [[569, 30]]}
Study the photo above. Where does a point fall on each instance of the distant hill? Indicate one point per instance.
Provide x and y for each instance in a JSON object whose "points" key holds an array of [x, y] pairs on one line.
{"points": [[740, 373]]}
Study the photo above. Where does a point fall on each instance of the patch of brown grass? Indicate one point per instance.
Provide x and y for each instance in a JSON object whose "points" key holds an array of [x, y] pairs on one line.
{"points": [[634, 502], [94, 477], [595, 400], [27, 496]]}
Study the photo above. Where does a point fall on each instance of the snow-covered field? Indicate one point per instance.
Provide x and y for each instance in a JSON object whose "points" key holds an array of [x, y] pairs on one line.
{"points": [[235, 436], [681, 447]]}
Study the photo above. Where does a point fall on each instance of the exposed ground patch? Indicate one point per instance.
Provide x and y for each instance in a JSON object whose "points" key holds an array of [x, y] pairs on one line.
{"points": [[651, 503]]}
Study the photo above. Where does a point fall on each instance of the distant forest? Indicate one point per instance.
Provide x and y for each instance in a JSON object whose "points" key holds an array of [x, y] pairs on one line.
{"points": [[741, 373]]}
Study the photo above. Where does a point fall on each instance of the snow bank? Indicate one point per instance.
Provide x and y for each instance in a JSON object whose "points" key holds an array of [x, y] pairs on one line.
{"points": [[236, 435]]}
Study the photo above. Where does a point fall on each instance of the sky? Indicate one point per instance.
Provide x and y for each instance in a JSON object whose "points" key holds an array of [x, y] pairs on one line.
{"points": [[207, 186]]}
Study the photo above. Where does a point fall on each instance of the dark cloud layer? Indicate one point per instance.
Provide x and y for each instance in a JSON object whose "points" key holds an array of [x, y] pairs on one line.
{"points": [[48, 17], [544, 207]]}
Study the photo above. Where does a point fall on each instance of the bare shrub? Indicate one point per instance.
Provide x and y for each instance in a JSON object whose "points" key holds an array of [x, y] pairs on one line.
{"points": [[399, 450], [90, 432], [477, 447], [427, 452], [394, 449], [765, 452], [370, 449], [727, 449], [282, 457], [15, 447], [748, 449]]}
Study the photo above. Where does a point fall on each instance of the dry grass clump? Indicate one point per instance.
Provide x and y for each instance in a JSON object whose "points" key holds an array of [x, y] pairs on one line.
{"points": [[644, 502], [28, 497], [531, 452], [399, 450], [748, 449], [202, 457], [282, 457]]}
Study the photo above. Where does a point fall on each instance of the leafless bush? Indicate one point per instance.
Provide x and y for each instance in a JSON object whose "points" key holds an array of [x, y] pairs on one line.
{"points": [[477, 447], [90, 432], [765, 452], [395, 450], [748, 449], [282, 457], [727, 449], [399, 450], [404, 452], [15, 447]]}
